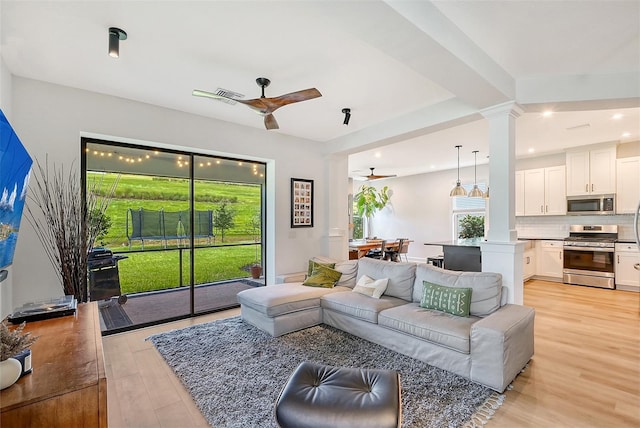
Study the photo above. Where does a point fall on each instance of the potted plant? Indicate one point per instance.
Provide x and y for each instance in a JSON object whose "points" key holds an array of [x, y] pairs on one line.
{"points": [[369, 200], [12, 343]]}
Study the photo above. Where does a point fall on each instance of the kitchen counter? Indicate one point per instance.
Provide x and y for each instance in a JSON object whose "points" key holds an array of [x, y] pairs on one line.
{"points": [[473, 242]]}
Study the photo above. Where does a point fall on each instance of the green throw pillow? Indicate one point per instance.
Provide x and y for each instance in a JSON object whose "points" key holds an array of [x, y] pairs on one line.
{"points": [[323, 276], [313, 264], [452, 300]]}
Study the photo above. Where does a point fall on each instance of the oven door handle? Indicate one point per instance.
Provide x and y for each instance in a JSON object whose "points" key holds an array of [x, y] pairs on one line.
{"points": [[599, 249]]}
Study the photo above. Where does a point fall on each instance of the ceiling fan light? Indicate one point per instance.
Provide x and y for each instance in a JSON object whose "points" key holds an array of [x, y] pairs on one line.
{"points": [[458, 191], [476, 192]]}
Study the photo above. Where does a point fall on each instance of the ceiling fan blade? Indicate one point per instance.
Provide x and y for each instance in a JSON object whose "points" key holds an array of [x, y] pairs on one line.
{"points": [[373, 176], [270, 122], [269, 105], [377, 177]]}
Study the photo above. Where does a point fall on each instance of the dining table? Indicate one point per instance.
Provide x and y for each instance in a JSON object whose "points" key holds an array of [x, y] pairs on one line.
{"points": [[359, 247]]}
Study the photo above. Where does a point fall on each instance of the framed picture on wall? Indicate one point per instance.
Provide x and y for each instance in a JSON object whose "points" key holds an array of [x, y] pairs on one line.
{"points": [[301, 202]]}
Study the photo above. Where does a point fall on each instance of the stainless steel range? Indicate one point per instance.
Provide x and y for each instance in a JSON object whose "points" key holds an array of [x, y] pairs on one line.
{"points": [[589, 255]]}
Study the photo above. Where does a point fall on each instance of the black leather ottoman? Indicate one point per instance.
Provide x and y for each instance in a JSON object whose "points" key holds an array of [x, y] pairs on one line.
{"points": [[323, 396]]}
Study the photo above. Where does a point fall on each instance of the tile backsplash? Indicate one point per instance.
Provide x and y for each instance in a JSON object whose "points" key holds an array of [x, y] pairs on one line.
{"points": [[557, 227]]}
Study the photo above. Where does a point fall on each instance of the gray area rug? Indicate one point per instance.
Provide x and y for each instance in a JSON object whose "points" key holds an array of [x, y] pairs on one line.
{"points": [[235, 372]]}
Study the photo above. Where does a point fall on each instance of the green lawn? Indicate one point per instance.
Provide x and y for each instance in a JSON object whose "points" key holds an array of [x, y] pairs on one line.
{"points": [[158, 270], [153, 193]]}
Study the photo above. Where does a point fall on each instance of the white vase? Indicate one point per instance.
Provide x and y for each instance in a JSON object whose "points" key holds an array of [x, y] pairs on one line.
{"points": [[10, 370]]}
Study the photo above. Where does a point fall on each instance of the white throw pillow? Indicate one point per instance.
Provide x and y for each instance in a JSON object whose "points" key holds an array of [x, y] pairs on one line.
{"points": [[371, 287]]}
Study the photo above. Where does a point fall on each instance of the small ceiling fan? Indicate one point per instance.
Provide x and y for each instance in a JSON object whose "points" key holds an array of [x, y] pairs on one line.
{"points": [[266, 106], [373, 176]]}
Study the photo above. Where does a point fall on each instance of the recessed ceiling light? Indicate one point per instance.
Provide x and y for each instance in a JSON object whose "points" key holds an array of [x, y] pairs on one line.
{"points": [[531, 150], [378, 154], [617, 116], [626, 134], [547, 113]]}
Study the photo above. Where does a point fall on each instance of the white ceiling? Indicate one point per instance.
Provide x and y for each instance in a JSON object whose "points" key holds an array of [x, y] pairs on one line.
{"points": [[409, 70]]}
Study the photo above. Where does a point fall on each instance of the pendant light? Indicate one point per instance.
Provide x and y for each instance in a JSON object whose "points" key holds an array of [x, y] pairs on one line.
{"points": [[458, 190], [475, 192]]}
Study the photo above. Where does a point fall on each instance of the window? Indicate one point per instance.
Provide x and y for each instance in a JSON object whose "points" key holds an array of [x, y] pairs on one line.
{"points": [[462, 207]]}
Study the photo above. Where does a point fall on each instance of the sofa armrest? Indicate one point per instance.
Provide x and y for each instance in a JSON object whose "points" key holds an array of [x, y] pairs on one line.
{"points": [[501, 345], [291, 277]]}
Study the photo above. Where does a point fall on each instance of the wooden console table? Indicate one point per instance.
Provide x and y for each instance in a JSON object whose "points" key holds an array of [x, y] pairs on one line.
{"points": [[68, 386]]}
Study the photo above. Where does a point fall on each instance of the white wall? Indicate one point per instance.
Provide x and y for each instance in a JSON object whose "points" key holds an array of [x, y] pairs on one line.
{"points": [[6, 286], [50, 120]]}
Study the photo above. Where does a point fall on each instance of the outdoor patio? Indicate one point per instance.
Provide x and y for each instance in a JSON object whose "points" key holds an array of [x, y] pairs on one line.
{"points": [[152, 307]]}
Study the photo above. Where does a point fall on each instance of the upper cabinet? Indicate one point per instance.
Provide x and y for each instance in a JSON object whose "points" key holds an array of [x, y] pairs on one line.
{"points": [[628, 194], [541, 191], [591, 172]]}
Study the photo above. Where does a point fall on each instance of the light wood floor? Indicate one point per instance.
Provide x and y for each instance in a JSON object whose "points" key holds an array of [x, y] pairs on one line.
{"points": [[585, 371]]}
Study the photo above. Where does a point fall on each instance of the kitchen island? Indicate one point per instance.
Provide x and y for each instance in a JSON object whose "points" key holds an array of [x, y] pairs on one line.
{"points": [[461, 254]]}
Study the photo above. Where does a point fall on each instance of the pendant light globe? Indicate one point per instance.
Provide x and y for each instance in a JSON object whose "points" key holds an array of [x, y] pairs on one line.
{"points": [[458, 190]]}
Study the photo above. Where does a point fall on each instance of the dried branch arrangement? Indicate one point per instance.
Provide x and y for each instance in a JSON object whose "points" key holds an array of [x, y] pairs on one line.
{"points": [[12, 342], [59, 214]]}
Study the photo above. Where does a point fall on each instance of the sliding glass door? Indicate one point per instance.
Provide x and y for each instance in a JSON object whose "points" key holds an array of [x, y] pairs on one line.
{"points": [[180, 235]]}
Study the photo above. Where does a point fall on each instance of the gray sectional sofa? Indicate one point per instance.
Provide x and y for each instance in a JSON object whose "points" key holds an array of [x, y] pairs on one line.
{"points": [[489, 347]]}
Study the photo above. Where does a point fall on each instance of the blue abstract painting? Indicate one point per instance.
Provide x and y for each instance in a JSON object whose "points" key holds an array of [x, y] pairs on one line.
{"points": [[15, 169]]}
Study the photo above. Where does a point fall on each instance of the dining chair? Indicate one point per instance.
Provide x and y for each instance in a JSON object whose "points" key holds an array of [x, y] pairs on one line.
{"points": [[403, 248], [378, 253]]}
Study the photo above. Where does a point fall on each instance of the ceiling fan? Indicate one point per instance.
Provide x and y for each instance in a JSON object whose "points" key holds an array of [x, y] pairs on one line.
{"points": [[373, 176], [266, 106]]}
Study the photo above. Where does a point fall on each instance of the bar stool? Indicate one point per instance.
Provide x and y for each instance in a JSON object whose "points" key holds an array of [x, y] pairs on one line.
{"points": [[437, 261]]}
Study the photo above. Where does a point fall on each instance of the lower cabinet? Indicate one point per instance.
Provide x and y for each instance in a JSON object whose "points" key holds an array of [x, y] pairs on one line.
{"points": [[549, 259], [627, 277], [529, 264]]}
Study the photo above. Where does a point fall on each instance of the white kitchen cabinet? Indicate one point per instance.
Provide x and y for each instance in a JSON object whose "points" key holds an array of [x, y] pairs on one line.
{"points": [[627, 277], [544, 191], [591, 172], [549, 259], [628, 185], [529, 263], [519, 193]]}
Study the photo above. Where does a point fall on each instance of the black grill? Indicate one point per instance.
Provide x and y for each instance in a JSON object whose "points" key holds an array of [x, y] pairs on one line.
{"points": [[104, 278]]}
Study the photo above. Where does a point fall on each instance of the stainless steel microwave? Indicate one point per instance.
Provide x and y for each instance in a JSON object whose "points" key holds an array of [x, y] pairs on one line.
{"points": [[591, 205]]}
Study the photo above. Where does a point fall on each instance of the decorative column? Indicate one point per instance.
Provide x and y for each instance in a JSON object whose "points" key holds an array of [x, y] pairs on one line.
{"points": [[502, 252]]}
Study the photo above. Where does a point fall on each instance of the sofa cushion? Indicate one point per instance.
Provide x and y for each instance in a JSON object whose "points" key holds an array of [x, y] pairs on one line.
{"points": [[371, 287], [359, 306], [315, 262], [322, 276], [349, 269], [278, 299], [437, 327], [486, 286], [401, 276], [452, 300]]}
